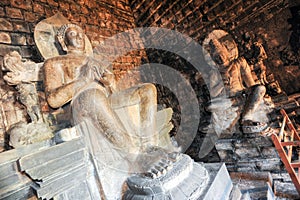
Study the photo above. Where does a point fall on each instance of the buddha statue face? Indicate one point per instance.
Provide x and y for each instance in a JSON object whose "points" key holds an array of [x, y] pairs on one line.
{"points": [[71, 38], [219, 53], [74, 38]]}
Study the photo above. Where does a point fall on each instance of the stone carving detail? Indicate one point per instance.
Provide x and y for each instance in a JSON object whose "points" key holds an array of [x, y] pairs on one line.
{"points": [[234, 71], [23, 75], [255, 54]]}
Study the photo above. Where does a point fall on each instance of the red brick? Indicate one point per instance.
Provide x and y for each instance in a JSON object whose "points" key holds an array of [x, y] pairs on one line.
{"points": [[21, 26], [30, 17], [75, 8], [53, 3], [14, 13], [38, 8], [2, 13], [81, 2], [5, 38], [18, 39], [5, 2], [50, 11], [91, 4], [5, 49], [85, 10], [5, 25], [83, 19], [23, 4], [64, 5]]}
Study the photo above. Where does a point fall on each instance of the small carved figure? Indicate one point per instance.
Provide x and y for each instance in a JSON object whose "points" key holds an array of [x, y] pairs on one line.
{"points": [[23, 74], [255, 55]]}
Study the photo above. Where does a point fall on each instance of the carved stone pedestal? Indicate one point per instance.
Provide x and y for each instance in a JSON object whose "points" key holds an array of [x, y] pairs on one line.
{"points": [[186, 180]]}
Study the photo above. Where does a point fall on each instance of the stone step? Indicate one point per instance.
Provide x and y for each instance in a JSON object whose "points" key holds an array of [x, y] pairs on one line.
{"points": [[18, 190], [54, 166], [41, 157], [257, 184], [285, 190]]}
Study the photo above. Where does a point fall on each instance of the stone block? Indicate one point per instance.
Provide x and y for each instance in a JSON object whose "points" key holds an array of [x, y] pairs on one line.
{"points": [[283, 177], [269, 152], [285, 190], [13, 13], [5, 38], [263, 141], [224, 145], [247, 153], [24, 4], [5, 25], [246, 167], [39, 158], [269, 164], [226, 155]]}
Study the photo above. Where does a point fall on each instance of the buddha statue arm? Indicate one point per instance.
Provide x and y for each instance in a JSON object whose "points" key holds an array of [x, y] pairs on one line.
{"points": [[246, 72], [59, 93]]}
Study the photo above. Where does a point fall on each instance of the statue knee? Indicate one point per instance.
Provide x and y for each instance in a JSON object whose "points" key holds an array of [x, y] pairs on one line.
{"points": [[86, 102], [261, 90], [149, 89]]}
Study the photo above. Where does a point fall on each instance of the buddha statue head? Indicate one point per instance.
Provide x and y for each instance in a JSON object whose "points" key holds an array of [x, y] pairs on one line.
{"points": [[71, 38]]}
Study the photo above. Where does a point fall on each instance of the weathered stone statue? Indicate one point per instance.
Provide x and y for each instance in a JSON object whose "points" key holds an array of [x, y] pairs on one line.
{"points": [[77, 80], [235, 72], [77, 75]]}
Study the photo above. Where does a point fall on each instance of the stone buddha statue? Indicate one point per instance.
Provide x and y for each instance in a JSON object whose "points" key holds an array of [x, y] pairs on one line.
{"points": [[77, 75], [239, 85], [78, 81]]}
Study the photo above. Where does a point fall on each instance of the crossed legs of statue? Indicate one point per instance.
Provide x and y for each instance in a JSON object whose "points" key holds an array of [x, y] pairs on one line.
{"points": [[144, 96], [114, 150], [93, 104]]}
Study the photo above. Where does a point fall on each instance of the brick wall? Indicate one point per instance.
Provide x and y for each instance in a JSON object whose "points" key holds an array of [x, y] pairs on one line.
{"points": [[269, 20]]}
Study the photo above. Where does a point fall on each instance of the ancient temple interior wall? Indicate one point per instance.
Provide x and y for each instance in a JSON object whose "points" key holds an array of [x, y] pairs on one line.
{"points": [[274, 23]]}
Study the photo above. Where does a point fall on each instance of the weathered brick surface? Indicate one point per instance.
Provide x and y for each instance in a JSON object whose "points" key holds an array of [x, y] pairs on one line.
{"points": [[24, 4], [13, 13], [5, 38]]}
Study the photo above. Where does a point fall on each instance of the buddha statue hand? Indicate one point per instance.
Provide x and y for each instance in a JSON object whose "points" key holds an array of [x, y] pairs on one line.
{"points": [[91, 71]]}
